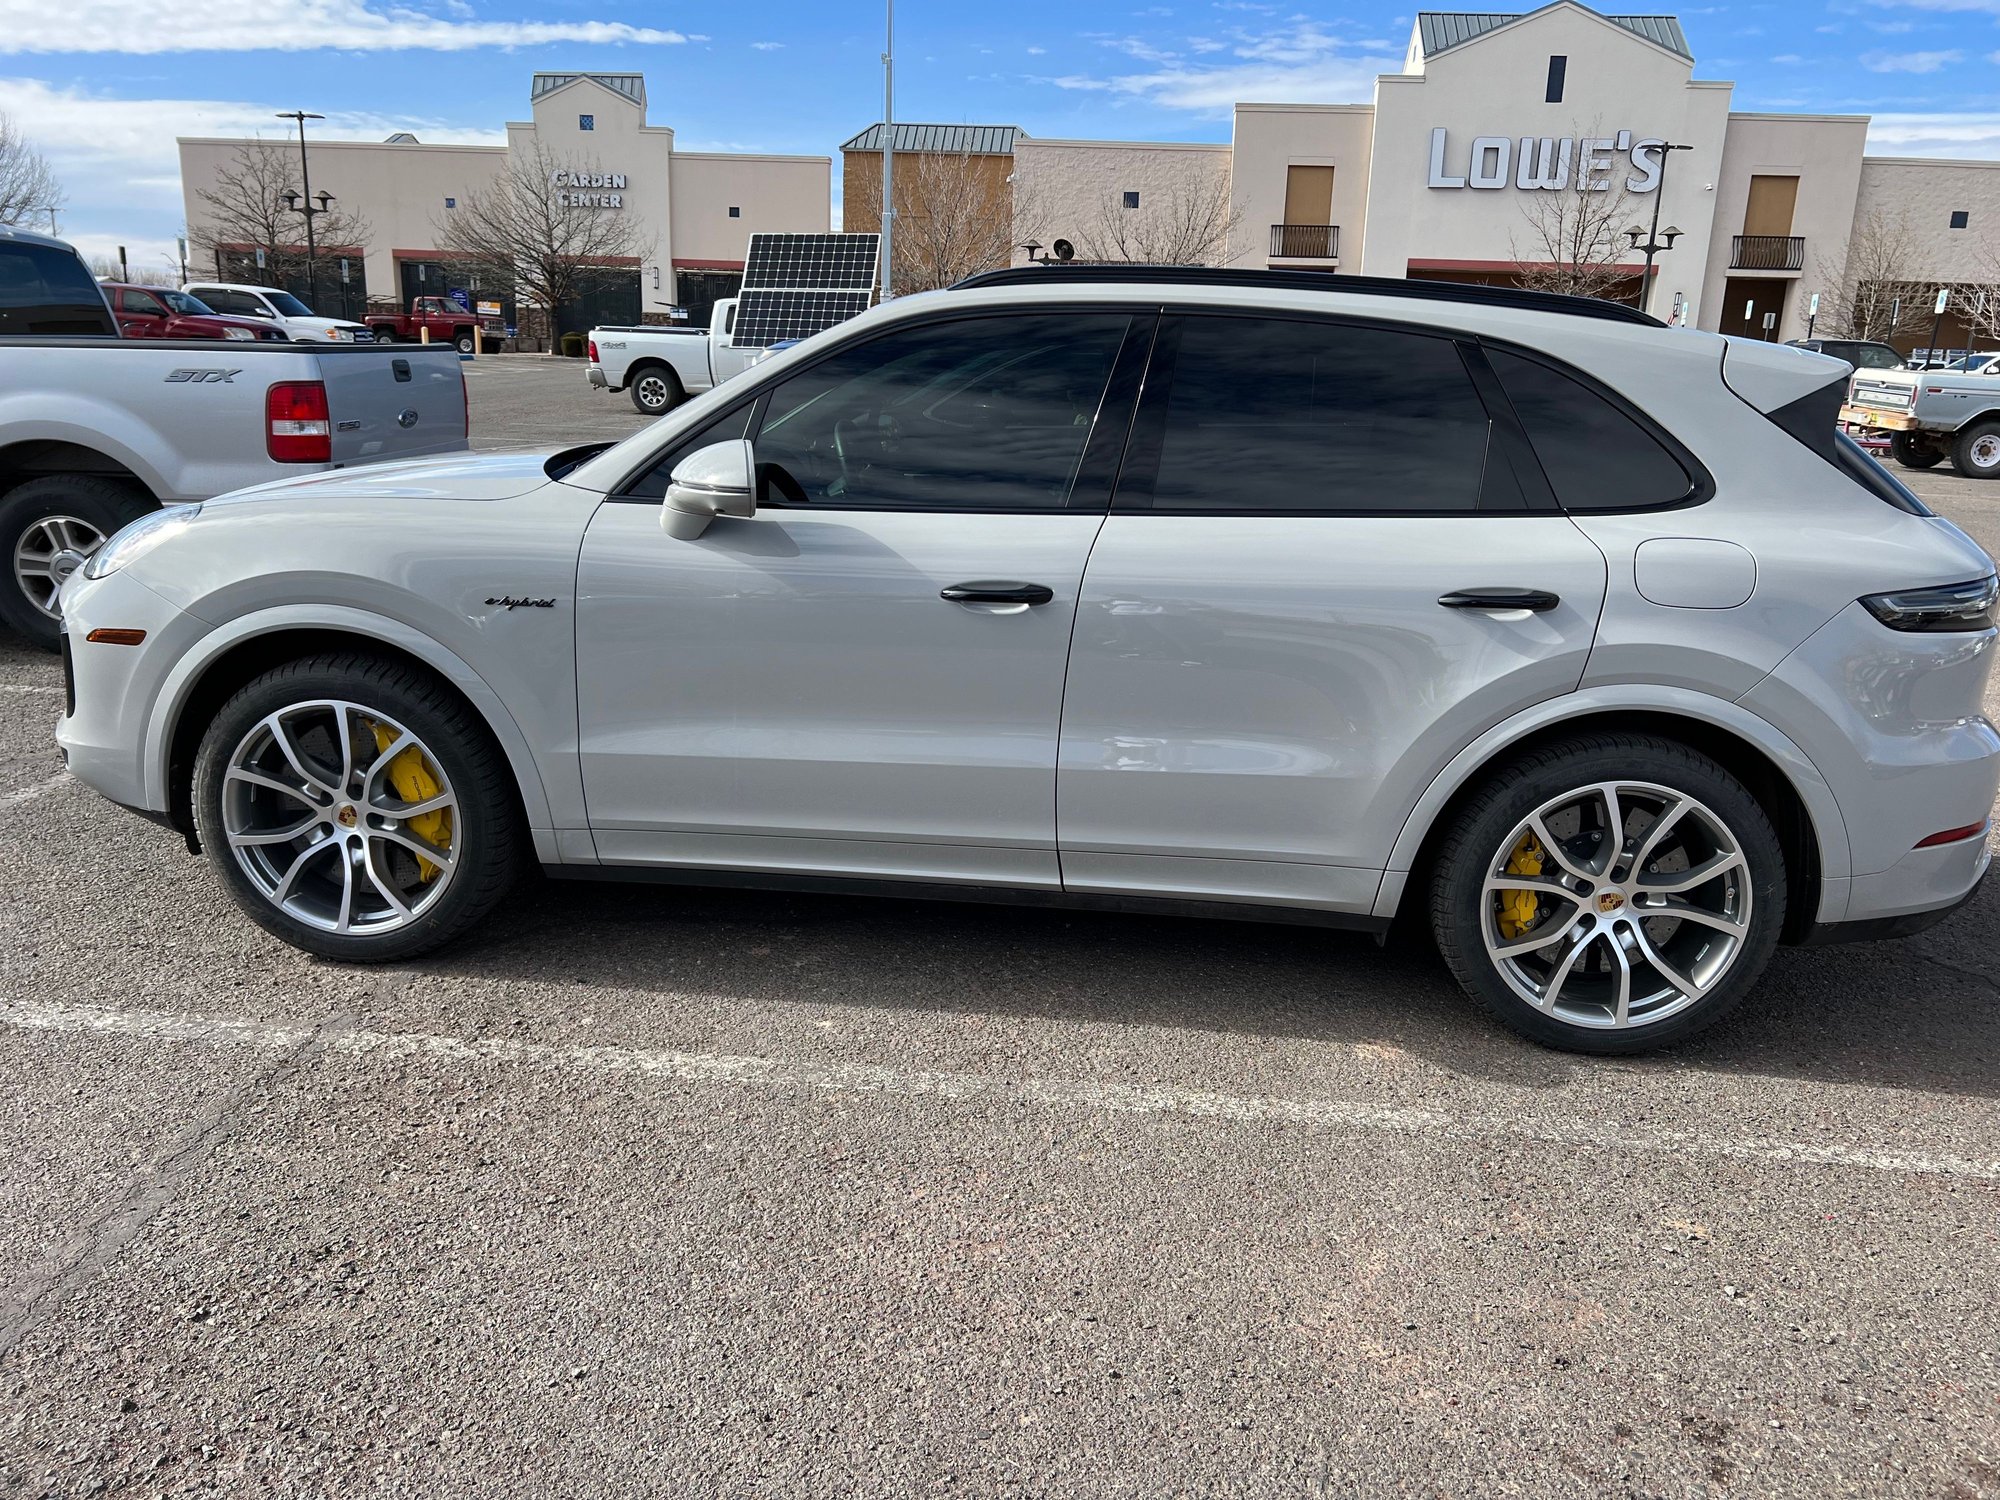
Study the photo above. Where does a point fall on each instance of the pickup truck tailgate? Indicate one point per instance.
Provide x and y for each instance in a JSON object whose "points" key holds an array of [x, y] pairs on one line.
{"points": [[406, 405]]}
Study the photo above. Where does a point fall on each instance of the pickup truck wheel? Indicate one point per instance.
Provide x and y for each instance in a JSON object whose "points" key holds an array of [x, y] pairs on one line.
{"points": [[385, 335], [356, 808], [1975, 451], [48, 527], [466, 344], [1912, 453], [656, 390]]}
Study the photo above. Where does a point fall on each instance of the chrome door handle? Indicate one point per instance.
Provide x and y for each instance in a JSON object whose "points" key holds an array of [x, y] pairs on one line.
{"points": [[990, 592], [1537, 600]]}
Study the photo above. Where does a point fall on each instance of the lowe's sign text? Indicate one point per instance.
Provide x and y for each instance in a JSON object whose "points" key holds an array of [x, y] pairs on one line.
{"points": [[1548, 163]]}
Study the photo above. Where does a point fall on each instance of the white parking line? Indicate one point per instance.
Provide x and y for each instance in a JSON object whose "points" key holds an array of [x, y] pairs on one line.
{"points": [[1114, 1098], [30, 793]]}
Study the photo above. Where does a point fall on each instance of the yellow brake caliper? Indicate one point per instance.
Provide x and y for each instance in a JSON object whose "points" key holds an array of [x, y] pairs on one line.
{"points": [[410, 774], [1518, 907]]}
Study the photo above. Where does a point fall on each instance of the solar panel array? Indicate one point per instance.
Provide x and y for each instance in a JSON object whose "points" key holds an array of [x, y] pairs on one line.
{"points": [[797, 285], [766, 317], [811, 262]]}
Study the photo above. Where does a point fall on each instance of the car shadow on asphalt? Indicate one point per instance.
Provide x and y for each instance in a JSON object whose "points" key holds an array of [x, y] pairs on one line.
{"points": [[1921, 1014]]}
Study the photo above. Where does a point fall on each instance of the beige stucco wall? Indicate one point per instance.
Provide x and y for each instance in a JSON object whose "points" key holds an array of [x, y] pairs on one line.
{"points": [[1494, 86], [1064, 189], [678, 202], [777, 194], [1269, 138], [1824, 153], [1920, 196], [397, 189]]}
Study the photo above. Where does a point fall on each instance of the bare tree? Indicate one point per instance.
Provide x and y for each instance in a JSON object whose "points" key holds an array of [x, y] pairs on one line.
{"points": [[1876, 293], [245, 212], [1189, 225], [1573, 235], [957, 213], [549, 226], [106, 268], [28, 189]]}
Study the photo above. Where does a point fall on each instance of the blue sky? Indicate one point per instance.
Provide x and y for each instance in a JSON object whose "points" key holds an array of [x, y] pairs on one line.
{"points": [[105, 88]]}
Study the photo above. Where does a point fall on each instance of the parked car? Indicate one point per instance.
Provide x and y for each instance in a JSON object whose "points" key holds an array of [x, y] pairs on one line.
{"points": [[443, 319], [281, 309], [157, 312], [1590, 643], [662, 367], [1932, 415], [1863, 354], [97, 431]]}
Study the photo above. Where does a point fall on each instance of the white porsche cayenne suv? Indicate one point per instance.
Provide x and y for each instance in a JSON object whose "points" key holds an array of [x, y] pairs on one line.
{"points": [[1587, 640]]}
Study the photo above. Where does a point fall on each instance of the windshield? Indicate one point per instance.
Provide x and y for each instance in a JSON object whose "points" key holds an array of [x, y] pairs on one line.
{"points": [[186, 306], [287, 305]]}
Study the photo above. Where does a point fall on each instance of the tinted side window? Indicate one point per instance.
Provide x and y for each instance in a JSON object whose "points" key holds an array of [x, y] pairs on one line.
{"points": [[46, 291], [229, 302], [143, 303], [1596, 456], [1269, 414], [986, 413]]}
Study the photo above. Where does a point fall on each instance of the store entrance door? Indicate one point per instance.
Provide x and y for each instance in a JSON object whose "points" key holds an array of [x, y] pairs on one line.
{"points": [[1745, 300]]}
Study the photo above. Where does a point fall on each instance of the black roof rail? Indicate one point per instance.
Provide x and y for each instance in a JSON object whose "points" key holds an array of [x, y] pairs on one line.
{"points": [[1316, 281]]}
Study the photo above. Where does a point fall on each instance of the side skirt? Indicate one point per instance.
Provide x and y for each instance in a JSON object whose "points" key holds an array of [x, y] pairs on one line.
{"points": [[987, 895]]}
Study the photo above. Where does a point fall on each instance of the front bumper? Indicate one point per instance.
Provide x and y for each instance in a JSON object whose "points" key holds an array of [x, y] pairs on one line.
{"points": [[112, 689]]}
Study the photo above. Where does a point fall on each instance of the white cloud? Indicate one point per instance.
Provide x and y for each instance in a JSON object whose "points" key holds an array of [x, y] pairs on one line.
{"points": [[1788, 58], [772, 47], [1908, 62], [1965, 135], [1299, 61], [1036, 51], [298, 26]]}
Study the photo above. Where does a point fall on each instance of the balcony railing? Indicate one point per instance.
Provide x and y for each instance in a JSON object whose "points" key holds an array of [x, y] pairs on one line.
{"points": [[1305, 241], [1768, 252]]}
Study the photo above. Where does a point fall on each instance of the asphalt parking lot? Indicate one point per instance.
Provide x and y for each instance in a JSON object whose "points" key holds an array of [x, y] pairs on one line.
{"points": [[662, 1192]]}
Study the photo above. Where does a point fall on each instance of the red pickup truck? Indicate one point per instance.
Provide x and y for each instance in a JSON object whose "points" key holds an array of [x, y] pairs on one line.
{"points": [[447, 322], [158, 312]]}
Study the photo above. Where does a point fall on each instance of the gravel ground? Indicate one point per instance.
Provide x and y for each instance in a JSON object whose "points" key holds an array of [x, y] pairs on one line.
{"points": [[655, 1192]]}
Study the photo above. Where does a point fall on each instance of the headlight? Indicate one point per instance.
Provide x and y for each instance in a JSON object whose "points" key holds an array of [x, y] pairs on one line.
{"points": [[238, 333], [1950, 606], [339, 336], [141, 537]]}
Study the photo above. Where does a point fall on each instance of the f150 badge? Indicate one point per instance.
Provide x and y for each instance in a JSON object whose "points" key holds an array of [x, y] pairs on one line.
{"points": [[202, 377]]}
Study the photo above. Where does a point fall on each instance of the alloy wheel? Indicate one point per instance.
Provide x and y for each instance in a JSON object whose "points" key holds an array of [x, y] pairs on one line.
{"points": [[653, 394], [1616, 905], [46, 553], [341, 817]]}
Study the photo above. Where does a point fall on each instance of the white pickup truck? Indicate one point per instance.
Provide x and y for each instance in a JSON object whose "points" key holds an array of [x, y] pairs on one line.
{"points": [[1932, 415], [96, 430], [662, 367]]}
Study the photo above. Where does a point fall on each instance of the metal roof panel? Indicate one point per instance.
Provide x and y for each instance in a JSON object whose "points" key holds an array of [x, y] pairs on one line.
{"points": [[942, 140]]}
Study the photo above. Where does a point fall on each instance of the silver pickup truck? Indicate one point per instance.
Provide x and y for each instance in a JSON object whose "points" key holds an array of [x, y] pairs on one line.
{"points": [[96, 430], [1932, 415]]}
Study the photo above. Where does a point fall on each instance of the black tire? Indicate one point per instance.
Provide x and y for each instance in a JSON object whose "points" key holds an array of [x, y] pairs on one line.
{"points": [[466, 344], [1489, 819], [656, 389], [491, 838], [385, 335], [1975, 450], [1913, 453], [101, 505]]}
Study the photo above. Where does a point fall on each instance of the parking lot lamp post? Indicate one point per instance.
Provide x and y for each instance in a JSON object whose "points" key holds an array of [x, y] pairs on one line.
{"points": [[292, 201], [1653, 243]]}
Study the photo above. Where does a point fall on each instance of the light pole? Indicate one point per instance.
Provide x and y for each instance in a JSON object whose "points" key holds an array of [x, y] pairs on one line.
{"points": [[888, 151], [292, 201], [1653, 243]]}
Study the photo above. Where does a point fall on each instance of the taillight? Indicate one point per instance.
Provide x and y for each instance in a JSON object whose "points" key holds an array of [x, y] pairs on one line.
{"points": [[297, 428], [1949, 606], [593, 352]]}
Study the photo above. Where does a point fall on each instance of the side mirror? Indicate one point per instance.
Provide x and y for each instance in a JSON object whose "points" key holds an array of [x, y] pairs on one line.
{"points": [[719, 480]]}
